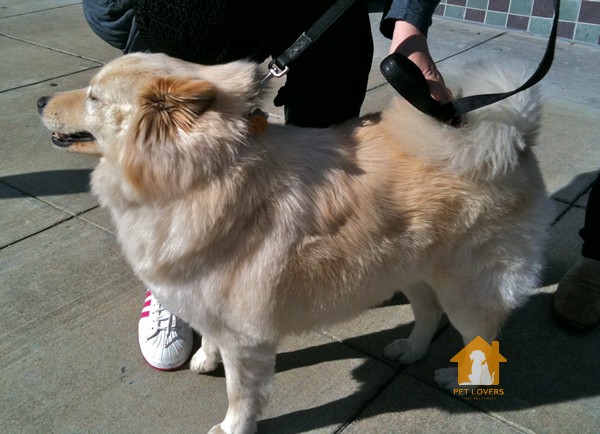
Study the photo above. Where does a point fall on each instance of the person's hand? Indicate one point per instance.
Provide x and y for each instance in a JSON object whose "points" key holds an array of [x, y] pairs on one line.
{"points": [[410, 42]]}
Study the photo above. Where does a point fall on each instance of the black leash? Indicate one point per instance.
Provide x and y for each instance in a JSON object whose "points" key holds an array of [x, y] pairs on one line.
{"points": [[280, 65], [408, 80], [404, 76]]}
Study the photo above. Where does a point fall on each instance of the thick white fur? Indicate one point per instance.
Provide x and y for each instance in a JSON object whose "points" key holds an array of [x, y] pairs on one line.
{"points": [[249, 238]]}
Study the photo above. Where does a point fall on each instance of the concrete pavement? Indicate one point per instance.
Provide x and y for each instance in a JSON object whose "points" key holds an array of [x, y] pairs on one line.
{"points": [[69, 358]]}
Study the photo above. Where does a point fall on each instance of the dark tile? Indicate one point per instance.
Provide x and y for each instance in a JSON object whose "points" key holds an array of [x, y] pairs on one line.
{"points": [[589, 12], [499, 5], [517, 22], [565, 30], [457, 2], [475, 15], [543, 8], [439, 10]]}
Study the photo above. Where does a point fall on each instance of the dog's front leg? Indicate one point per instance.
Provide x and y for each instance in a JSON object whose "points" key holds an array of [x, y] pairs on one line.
{"points": [[249, 375], [207, 358]]}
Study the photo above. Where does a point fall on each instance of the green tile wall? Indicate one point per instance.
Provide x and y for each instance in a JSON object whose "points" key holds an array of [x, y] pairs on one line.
{"points": [[579, 19]]}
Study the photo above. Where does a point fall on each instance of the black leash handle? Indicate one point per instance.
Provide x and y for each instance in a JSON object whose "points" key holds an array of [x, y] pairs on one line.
{"points": [[408, 80]]}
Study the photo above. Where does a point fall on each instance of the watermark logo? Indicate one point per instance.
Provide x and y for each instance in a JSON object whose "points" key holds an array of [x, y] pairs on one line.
{"points": [[479, 365]]}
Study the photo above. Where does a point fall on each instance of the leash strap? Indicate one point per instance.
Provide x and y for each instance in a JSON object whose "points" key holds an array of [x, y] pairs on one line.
{"points": [[408, 80], [280, 65]]}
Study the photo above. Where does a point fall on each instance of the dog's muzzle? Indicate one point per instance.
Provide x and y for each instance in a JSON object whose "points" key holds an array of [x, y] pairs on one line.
{"points": [[60, 139]]}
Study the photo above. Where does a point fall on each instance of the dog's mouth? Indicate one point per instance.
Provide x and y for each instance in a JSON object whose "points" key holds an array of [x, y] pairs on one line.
{"points": [[66, 140]]}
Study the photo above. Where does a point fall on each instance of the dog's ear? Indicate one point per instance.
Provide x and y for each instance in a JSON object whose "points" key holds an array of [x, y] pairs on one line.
{"points": [[239, 79], [169, 106], [168, 109]]}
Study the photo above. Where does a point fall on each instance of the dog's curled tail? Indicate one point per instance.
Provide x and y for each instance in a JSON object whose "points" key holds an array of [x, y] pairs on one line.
{"points": [[491, 138]]}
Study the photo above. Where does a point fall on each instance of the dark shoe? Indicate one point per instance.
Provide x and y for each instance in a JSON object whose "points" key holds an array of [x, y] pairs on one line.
{"points": [[577, 299]]}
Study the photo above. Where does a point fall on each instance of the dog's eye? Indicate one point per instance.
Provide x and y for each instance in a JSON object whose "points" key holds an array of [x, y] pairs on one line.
{"points": [[91, 95]]}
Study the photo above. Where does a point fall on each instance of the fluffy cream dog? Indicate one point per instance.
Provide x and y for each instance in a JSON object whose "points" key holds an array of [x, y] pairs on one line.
{"points": [[249, 237]]}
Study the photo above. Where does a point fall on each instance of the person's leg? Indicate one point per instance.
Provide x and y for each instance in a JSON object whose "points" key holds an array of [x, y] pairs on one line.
{"points": [[577, 298], [327, 84], [115, 23], [590, 233]]}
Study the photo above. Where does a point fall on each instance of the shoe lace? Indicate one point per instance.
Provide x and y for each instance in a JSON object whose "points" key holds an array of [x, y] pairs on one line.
{"points": [[165, 320]]}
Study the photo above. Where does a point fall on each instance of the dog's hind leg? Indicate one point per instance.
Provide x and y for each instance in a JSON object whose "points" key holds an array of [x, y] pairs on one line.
{"points": [[207, 358], [427, 312], [249, 373], [472, 316]]}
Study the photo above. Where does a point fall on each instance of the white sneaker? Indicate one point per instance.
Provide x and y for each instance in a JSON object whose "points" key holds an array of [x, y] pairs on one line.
{"points": [[165, 340]]}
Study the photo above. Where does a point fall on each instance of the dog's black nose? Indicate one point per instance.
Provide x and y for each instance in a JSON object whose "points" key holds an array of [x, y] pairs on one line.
{"points": [[41, 103]]}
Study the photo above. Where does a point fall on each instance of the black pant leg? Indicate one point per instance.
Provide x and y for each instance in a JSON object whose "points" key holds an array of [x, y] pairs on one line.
{"points": [[327, 84], [590, 233]]}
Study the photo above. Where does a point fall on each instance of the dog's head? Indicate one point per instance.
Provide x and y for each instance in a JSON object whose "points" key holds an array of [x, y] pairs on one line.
{"points": [[161, 120], [477, 356]]}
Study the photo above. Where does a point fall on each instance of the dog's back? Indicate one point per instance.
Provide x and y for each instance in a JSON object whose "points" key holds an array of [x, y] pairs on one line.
{"points": [[491, 139], [408, 198]]}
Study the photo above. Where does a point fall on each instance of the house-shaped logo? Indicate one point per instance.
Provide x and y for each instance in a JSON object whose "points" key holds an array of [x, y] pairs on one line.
{"points": [[479, 363]]}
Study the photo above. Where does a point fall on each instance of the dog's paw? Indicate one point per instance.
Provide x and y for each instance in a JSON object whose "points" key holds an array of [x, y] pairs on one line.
{"points": [[404, 352], [203, 363], [217, 430], [226, 428], [446, 378]]}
